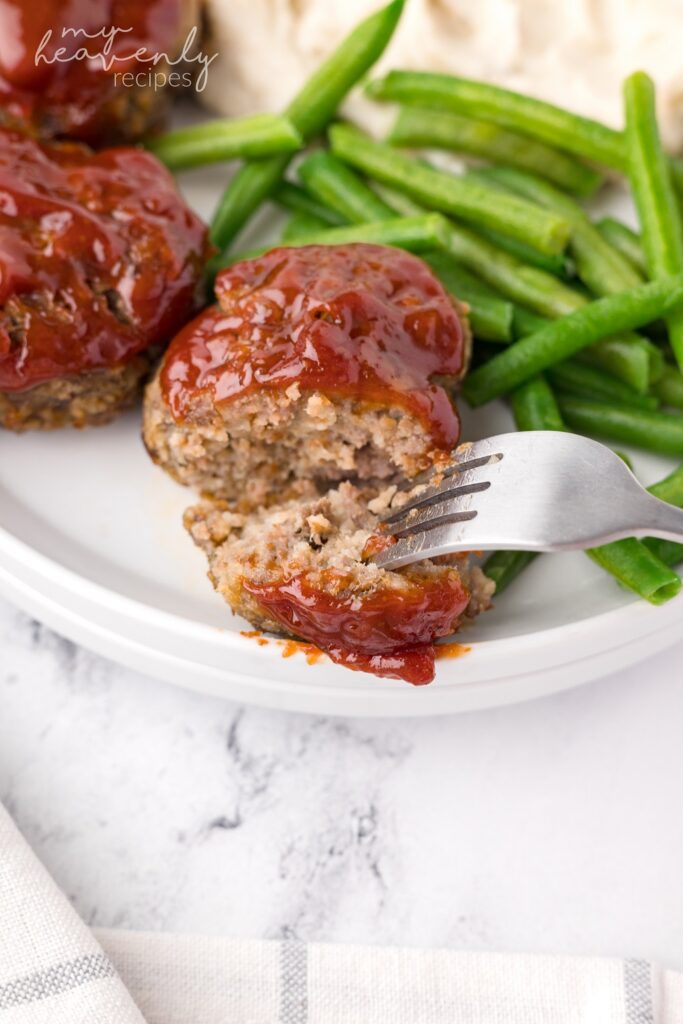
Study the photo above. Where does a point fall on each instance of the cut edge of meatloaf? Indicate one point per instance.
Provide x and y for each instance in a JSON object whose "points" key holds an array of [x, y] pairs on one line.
{"points": [[324, 538], [90, 399], [250, 449]]}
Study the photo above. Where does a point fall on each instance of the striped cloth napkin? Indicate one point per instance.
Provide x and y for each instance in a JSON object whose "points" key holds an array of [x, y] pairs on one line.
{"points": [[54, 970]]}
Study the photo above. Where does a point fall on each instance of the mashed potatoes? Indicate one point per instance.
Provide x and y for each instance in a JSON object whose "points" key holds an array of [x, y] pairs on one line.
{"points": [[574, 53]]}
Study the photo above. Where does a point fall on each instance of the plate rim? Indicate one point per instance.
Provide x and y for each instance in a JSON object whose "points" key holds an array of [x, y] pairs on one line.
{"points": [[105, 597]]}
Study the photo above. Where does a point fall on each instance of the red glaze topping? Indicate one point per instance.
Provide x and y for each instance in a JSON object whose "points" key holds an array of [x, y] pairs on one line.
{"points": [[363, 321], [388, 633], [99, 258], [49, 80]]}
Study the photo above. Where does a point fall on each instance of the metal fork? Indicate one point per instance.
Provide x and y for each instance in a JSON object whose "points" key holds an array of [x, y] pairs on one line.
{"points": [[530, 491]]}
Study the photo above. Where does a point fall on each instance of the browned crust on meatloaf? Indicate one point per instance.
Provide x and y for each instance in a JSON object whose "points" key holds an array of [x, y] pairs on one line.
{"points": [[91, 399], [250, 449]]}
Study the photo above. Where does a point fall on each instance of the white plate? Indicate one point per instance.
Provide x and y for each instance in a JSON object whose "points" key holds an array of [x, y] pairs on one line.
{"points": [[91, 543]]}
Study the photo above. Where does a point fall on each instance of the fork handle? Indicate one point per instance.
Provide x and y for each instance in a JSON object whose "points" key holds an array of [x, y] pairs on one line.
{"points": [[664, 521]]}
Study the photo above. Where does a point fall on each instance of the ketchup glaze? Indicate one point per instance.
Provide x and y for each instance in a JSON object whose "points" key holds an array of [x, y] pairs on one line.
{"points": [[362, 321], [99, 258]]}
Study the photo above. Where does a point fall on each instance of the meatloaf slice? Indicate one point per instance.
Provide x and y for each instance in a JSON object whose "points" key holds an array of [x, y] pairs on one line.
{"points": [[320, 363], [302, 568]]}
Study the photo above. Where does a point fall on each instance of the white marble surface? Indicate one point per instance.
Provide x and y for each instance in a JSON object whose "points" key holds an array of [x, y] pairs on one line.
{"points": [[552, 827]]}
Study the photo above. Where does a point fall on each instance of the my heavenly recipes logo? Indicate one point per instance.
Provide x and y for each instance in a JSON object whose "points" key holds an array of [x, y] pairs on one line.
{"points": [[99, 46]]}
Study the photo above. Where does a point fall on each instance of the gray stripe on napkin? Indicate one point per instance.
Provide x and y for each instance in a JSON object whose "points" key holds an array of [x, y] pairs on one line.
{"points": [[638, 992], [293, 983], [55, 980]]}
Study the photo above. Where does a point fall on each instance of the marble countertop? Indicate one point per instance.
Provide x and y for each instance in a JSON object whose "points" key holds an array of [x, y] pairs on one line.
{"points": [[555, 826]]}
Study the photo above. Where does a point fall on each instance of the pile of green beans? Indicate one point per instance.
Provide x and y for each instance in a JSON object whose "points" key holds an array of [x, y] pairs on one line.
{"points": [[473, 202], [581, 136], [433, 129], [577, 322], [623, 238], [632, 562], [563, 338]]}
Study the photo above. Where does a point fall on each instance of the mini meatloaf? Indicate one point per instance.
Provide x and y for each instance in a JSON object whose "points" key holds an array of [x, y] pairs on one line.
{"points": [[320, 363], [302, 568], [100, 264], [62, 66]]}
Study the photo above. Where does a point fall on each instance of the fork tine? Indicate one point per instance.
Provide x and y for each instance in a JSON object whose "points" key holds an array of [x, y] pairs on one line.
{"points": [[456, 465], [437, 509], [431, 517], [447, 486]]}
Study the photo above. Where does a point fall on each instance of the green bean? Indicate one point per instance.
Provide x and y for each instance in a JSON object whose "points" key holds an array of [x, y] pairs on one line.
{"points": [[670, 489], [625, 240], [446, 267], [655, 431], [473, 202], [564, 338], [490, 317], [602, 268], [252, 184], [398, 201], [586, 381], [555, 265], [582, 136], [630, 357], [337, 186], [297, 200], [667, 551], [650, 177], [329, 179], [505, 274], [639, 569], [642, 570], [503, 567], [225, 139], [419, 127], [669, 387], [625, 458], [512, 278], [629, 561], [416, 234], [579, 135], [599, 265], [524, 322], [534, 406], [302, 225], [558, 265], [309, 111]]}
